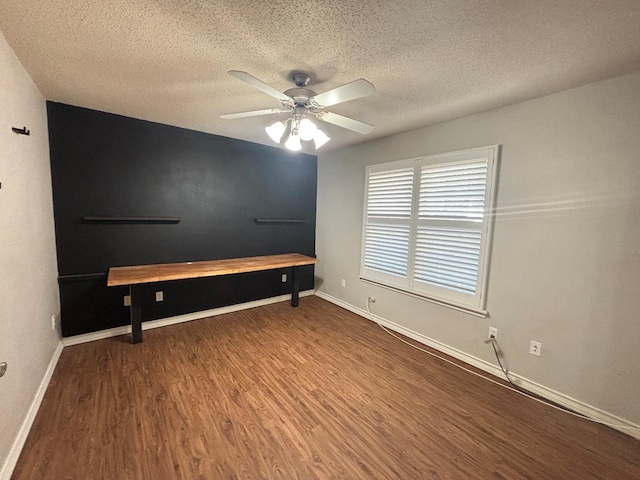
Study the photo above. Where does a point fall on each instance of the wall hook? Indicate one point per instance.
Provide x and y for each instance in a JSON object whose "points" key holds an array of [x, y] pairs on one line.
{"points": [[21, 131]]}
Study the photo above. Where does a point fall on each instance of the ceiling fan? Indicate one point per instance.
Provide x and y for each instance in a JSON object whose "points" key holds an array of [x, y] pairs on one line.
{"points": [[302, 103]]}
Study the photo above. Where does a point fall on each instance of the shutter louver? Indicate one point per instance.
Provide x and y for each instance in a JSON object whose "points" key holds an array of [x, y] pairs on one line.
{"points": [[450, 215], [453, 191], [389, 193], [387, 249], [448, 258], [387, 232]]}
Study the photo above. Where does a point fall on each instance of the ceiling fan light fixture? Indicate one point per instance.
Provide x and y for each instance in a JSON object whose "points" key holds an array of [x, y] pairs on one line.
{"points": [[320, 138], [307, 129], [293, 143], [300, 102], [275, 131]]}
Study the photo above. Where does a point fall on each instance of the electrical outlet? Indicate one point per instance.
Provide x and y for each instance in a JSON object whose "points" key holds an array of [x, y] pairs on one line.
{"points": [[372, 299], [127, 300], [284, 278], [493, 332], [535, 348], [54, 321], [159, 296], [343, 283]]}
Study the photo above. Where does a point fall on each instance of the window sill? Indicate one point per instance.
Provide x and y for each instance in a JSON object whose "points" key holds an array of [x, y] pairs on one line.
{"points": [[460, 308]]}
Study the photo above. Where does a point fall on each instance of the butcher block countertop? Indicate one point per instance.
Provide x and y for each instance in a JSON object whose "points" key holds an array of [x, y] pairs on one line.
{"points": [[178, 271]]}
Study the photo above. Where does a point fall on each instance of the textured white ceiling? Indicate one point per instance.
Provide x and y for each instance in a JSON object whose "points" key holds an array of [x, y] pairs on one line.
{"points": [[430, 61]]}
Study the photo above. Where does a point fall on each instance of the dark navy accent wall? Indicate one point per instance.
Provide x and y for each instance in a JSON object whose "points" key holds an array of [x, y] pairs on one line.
{"points": [[106, 165]]}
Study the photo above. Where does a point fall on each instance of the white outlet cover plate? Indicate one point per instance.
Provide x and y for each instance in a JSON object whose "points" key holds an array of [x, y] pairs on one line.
{"points": [[535, 348]]}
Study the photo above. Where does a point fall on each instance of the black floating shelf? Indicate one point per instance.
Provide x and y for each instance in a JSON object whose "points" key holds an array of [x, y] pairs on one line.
{"points": [[83, 277], [278, 220], [118, 219]]}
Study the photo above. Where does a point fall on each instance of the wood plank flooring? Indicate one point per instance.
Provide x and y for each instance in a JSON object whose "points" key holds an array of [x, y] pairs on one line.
{"points": [[313, 392]]}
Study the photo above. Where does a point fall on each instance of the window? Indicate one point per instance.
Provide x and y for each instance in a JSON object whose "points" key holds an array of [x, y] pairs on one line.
{"points": [[427, 226]]}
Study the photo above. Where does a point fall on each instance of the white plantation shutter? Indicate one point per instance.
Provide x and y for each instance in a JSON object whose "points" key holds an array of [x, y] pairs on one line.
{"points": [[388, 224], [426, 226], [387, 249], [451, 205], [390, 193], [448, 258], [453, 191]]}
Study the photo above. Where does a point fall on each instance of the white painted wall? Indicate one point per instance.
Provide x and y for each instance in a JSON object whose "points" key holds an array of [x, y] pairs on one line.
{"points": [[565, 265], [28, 268]]}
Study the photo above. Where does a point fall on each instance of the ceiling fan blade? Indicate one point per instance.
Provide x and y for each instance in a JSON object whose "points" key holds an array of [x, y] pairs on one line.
{"points": [[254, 113], [260, 85], [345, 122], [350, 91]]}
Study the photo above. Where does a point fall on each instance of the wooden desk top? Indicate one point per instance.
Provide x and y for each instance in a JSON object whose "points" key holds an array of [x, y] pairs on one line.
{"points": [[178, 271]]}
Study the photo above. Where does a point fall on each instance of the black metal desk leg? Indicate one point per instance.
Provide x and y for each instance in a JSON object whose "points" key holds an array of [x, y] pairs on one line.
{"points": [[295, 287], [136, 314]]}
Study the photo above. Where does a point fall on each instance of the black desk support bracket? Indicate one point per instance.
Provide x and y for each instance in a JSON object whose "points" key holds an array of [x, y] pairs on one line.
{"points": [[295, 287], [136, 314]]}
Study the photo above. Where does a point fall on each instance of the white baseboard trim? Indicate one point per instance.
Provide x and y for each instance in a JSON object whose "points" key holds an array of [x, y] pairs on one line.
{"points": [[163, 322], [590, 411], [21, 438]]}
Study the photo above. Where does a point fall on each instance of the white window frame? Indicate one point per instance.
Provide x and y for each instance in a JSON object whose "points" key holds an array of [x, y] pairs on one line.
{"points": [[474, 304]]}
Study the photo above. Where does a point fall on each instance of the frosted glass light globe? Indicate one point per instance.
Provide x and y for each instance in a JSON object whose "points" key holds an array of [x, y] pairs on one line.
{"points": [[307, 129], [275, 131], [293, 143]]}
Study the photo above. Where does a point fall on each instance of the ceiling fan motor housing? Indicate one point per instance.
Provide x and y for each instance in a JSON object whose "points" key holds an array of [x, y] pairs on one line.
{"points": [[300, 95]]}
